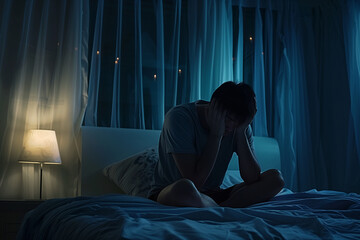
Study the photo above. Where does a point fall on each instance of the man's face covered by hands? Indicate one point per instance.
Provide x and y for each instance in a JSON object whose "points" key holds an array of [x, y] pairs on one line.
{"points": [[234, 121], [231, 123], [232, 107], [222, 122]]}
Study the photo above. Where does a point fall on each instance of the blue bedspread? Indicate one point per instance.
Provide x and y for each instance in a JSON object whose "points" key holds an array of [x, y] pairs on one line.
{"points": [[308, 215]]}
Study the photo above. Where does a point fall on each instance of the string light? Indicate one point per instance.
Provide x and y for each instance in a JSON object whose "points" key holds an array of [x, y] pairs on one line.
{"points": [[116, 62], [250, 38], [97, 52], [179, 71], [154, 76]]}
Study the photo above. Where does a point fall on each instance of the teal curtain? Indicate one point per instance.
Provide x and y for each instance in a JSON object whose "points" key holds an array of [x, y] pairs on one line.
{"points": [[305, 74], [165, 53], [351, 25]]}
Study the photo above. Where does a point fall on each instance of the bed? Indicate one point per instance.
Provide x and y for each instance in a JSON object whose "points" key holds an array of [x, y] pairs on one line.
{"points": [[109, 209]]}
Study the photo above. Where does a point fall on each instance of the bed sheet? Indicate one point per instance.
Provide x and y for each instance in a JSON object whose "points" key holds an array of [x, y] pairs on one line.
{"points": [[306, 215]]}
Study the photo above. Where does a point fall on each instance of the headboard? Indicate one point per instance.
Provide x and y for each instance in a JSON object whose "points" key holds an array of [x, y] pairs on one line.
{"points": [[102, 146]]}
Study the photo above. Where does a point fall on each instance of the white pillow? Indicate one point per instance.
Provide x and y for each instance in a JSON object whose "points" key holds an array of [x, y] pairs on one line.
{"points": [[134, 174], [231, 178]]}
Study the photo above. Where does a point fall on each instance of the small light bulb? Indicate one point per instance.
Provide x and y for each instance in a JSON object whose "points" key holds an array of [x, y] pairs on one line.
{"points": [[251, 38], [154, 76], [97, 52]]}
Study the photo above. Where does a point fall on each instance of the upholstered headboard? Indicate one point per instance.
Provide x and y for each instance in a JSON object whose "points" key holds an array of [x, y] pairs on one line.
{"points": [[102, 146]]}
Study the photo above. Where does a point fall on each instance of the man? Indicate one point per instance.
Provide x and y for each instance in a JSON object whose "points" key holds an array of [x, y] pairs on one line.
{"points": [[195, 147]]}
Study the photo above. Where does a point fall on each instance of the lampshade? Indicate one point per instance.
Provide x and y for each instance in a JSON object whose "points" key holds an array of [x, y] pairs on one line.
{"points": [[40, 146]]}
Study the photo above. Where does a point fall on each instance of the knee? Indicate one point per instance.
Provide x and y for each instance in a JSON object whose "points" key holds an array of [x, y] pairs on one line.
{"points": [[184, 187], [182, 193], [274, 177]]}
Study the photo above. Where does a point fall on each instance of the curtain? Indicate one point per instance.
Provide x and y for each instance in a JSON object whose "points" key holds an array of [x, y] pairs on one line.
{"points": [[331, 97], [43, 77], [351, 25], [165, 53], [272, 64], [210, 46], [305, 75]]}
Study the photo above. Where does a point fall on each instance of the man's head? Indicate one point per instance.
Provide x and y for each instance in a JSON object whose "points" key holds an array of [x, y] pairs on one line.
{"points": [[239, 102]]}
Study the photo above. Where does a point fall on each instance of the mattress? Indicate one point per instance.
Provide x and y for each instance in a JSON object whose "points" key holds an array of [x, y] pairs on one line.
{"points": [[305, 215]]}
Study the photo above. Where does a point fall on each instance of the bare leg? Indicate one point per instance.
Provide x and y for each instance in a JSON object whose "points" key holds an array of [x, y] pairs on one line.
{"points": [[183, 193], [243, 195]]}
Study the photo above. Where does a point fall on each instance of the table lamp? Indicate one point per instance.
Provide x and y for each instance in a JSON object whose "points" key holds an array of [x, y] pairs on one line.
{"points": [[40, 147]]}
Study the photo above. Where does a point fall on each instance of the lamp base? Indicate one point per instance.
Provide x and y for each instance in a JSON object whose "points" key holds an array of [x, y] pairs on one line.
{"points": [[41, 170]]}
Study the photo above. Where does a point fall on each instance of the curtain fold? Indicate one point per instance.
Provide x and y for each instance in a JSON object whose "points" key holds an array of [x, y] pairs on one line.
{"points": [[172, 55], [295, 130], [351, 24], [159, 107], [239, 46], [44, 72], [259, 123], [139, 120], [210, 46], [116, 106], [91, 116], [196, 26]]}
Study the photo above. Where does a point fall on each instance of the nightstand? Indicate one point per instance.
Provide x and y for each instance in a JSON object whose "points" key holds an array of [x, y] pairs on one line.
{"points": [[12, 213]]}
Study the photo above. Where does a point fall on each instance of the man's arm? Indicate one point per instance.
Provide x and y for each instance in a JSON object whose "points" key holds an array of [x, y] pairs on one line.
{"points": [[248, 166], [198, 168]]}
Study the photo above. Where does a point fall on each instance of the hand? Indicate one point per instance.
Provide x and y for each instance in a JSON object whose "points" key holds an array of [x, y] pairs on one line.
{"points": [[216, 118], [243, 126]]}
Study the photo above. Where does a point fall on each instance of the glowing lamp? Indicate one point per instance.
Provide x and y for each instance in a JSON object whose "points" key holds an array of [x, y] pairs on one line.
{"points": [[40, 147]]}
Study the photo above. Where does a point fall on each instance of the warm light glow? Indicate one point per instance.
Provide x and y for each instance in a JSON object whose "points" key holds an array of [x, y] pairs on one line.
{"points": [[40, 146], [97, 52], [251, 38], [179, 71], [117, 59], [154, 76], [116, 62]]}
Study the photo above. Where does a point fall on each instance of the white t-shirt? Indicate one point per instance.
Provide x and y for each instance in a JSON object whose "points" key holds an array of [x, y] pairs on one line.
{"points": [[182, 132]]}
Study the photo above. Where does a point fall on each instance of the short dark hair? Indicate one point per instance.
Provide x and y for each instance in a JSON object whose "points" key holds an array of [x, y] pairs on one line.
{"points": [[238, 99]]}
